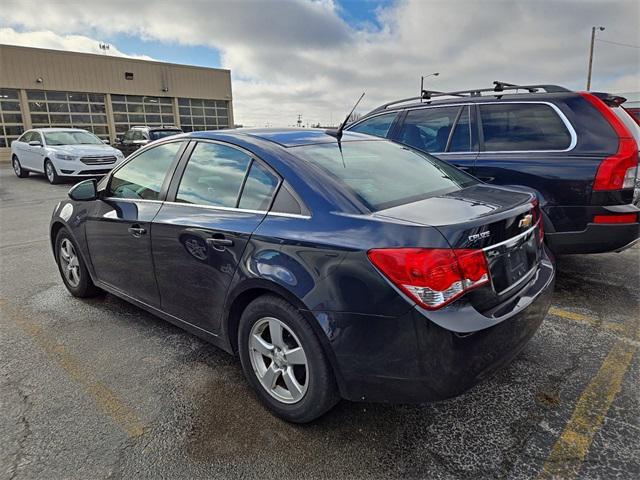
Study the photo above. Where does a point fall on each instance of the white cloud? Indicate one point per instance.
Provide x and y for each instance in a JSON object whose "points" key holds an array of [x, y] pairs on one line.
{"points": [[48, 39], [290, 57]]}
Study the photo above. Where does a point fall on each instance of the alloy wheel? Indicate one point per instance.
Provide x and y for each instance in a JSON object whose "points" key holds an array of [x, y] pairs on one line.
{"points": [[69, 262], [48, 168], [278, 359], [16, 166]]}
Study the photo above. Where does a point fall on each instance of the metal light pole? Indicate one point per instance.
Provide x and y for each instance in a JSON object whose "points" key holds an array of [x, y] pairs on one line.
{"points": [[434, 74], [593, 41]]}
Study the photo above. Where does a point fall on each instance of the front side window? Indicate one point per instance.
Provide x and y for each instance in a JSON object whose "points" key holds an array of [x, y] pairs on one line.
{"points": [[142, 177], [258, 188], [378, 126], [428, 129], [213, 176], [523, 126], [383, 174]]}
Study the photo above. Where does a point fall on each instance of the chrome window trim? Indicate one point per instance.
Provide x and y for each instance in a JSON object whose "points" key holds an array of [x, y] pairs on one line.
{"points": [[560, 113], [131, 200], [241, 210]]}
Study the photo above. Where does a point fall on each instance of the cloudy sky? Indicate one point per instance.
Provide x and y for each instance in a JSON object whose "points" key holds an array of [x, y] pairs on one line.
{"points": [[315, 57]]}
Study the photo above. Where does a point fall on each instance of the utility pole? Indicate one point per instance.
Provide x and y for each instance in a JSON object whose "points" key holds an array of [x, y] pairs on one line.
{"points": [[593, 41]]}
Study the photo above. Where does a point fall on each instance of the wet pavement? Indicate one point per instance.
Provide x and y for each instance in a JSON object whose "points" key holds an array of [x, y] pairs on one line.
{"points": [[101, 389]]}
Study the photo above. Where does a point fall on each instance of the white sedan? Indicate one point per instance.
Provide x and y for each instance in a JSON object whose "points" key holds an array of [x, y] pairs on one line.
{"points": [[62, 152]]}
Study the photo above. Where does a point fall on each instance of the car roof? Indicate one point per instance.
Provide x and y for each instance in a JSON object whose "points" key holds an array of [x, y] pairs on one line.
{"points": [[51, 129], [492, 97], [285, 137]]}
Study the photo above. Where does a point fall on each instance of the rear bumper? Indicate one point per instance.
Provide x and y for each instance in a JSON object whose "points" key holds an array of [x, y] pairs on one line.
{"points": [[596, 238], [586, 237], [427, 356]]}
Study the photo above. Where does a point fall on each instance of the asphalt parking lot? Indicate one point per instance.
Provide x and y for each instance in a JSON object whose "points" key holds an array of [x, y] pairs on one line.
{"points": [[101, 389]]}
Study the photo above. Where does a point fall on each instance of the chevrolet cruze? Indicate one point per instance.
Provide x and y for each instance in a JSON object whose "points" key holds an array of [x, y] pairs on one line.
{"points": [[353, 268], [62, 152]]}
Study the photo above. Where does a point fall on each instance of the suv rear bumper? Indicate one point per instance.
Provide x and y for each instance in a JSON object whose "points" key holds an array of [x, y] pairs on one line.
{"points": [[596, 238], [414, 358]]}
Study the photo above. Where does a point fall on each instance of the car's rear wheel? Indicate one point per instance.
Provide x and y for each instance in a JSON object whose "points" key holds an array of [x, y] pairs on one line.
{"points": [[50, 172], [284, 362], [17, 168], [72, 268]]}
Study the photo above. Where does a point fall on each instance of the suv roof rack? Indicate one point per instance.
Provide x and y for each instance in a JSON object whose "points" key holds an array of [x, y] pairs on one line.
{"points": [[498, 88]]}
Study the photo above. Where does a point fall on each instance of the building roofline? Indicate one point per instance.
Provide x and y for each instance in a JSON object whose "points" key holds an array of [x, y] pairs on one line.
{"points": [[112, 57]]}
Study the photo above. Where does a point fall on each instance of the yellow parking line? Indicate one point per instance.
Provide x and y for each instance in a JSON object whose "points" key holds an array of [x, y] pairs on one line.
{"points": [[617, 328], [105, 398], [570, 450]]}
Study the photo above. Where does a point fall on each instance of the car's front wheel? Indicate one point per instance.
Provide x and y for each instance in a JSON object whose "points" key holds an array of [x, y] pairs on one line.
{"points": [[72, 267], [284, 362], [17, 168], [50, 172]]}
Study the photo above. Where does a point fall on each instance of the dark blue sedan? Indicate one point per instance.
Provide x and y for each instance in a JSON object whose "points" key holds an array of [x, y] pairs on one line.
{"points": [[357, 269]]}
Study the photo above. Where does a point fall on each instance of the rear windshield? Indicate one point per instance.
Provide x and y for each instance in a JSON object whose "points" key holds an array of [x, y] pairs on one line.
{"points": [[158, 134], [383, 174]]}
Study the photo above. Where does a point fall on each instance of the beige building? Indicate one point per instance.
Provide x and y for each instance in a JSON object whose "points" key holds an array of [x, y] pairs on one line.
{"points": [[105, 94]]}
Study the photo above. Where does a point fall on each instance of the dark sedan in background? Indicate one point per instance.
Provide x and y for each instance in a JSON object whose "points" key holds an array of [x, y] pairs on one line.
{"points": [[358, 268]]}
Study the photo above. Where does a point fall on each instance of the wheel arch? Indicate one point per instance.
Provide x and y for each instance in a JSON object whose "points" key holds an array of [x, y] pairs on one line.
{"points": [[252, 289]]}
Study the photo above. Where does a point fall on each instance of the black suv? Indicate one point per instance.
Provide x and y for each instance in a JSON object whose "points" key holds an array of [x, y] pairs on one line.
{"points": [[139, 136], [577, 150]]}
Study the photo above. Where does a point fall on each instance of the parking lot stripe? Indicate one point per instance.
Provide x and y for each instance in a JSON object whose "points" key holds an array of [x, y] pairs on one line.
{"points": [[107, 400], [617, 328], [570, 450]]}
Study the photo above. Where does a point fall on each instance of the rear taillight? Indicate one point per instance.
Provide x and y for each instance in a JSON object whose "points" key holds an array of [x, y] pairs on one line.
{"points": [[432, 277], [617, 171], [616, 218]]}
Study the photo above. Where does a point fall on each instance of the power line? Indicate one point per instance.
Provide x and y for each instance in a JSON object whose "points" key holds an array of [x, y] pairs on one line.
{"points": [[617, 43]]}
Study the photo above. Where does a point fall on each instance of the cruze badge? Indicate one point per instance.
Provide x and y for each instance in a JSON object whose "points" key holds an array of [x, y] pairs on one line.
{"points": [[478, 236], [526, 221]]}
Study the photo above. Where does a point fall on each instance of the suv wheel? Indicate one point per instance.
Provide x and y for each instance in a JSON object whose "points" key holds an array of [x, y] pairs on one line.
{"points": [[17, 168], [72, 268], [283, 361], [50, 172]]}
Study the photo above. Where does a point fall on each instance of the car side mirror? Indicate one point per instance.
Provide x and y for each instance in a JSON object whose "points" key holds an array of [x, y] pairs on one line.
{"points": [[107, 141], [35, 143], [84, 191]]}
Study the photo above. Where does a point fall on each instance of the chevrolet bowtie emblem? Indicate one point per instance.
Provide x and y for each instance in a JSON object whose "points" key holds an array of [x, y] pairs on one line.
{"points": [[526, 221]]}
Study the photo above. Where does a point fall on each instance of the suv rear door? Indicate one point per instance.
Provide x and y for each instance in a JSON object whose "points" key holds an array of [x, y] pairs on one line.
{"points": [[447, 131]]}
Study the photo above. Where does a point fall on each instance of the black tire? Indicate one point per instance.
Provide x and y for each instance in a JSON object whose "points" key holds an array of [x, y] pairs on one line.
{"points": [[52, 175], [17, 168], [321, 390], [84, 287]]}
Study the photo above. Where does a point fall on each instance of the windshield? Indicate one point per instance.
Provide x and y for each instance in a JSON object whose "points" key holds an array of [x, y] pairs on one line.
{"points": [[71, 137], [158, 134], [383, 174]]}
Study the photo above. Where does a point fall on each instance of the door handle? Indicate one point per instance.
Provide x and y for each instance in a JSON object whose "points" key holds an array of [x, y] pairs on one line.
{"points": [[219, 243], [137, 231]]}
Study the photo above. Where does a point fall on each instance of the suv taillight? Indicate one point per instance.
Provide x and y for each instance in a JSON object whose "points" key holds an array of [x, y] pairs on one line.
{"points": [[619, 170], [433, 277]]}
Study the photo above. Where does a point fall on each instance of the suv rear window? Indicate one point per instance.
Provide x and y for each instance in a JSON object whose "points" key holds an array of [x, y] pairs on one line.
{"points": [[383, 174], [523, 126]]}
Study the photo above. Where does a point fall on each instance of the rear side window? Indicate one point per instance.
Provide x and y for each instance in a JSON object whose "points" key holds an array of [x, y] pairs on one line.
{"points": [[258, 188], [378, 126], [526, 126], [213, 175], [384, 174], [142, 176], [429, 129]]}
